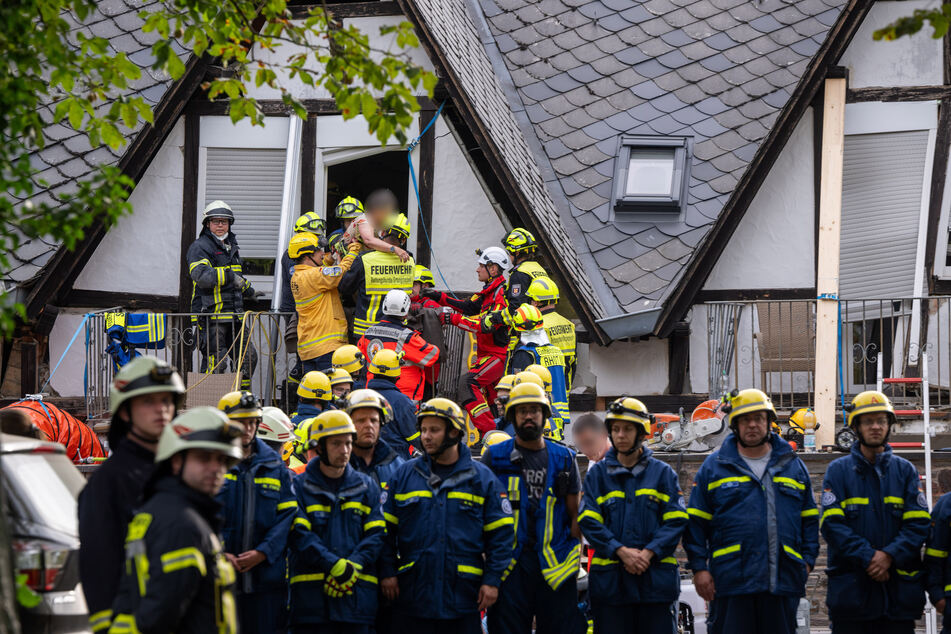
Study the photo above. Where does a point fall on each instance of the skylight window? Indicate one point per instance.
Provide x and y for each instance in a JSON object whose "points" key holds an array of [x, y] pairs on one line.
{"points": [[651, 176]]}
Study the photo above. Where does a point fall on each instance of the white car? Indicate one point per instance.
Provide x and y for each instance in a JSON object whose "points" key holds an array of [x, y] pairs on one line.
{"points": [[692, 617]]}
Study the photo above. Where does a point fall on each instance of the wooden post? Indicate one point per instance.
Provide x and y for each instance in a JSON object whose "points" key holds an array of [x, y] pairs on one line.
{"points": [[827, 271]]}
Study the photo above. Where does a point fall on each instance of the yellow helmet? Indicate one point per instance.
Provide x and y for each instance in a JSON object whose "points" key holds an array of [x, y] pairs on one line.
{"points": [[543, 373], [348, 208], [385, 362], [527, 377], [740, 402], [359, 399], [275, 426], [339, 376], [303, 432], [869, 403], [240, 405], [348, 358], [630, 410], [527, 318], [330, 423], [543, 289], [310, 222], [507, 382], [803, 418], [398, 224], [201, 428], [304, 243], [493, 437], [423, 275], [526, 393], [445, 409], [315, 385], [519, 240]]}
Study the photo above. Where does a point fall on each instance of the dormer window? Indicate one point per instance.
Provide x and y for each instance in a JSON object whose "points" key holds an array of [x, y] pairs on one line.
{"points": [[650, 176]]}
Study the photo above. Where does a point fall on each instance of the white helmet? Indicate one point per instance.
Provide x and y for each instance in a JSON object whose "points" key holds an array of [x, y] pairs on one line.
{"points": [[396, 303], [275, 425], [494, 255]]}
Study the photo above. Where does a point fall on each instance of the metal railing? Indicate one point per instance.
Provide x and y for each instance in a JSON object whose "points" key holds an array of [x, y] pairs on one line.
{"points": [[770, 345], [249, 348]]}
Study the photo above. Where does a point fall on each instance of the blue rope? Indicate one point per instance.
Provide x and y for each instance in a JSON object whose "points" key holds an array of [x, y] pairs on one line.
{"points": [[82, 324], [419, 202]]}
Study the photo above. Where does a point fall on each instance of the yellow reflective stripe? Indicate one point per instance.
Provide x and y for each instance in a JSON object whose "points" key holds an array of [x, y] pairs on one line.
{"points": [[271, 482], [308, 300], [313, 342], [894, 499], [934, 552], [698, 513], [399, 497], [789, 482], [722, 481], [318, 508], [374, 524], [907, 573], [504, 521], [556, 575], [602, 561], [303, 522], [547, 533], [469, 497], [592, 514], [406, 566], [853, 502], [124, 623], [610, 494], [392, 519], [183, 558], [412, 438], [910, 515], [100, 620], [369, 578], [809, 513], [670, 515], [191, 267], [317, 576], [230, 476], [669, 560], [654, 492], [287, 505], [947, 588], [735, 548], [830, 513], [792, 552], [356, 506], [472, 570]]}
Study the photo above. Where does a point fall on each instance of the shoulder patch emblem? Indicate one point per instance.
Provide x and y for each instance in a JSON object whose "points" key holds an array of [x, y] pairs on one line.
{"points": [[383, 497], [516, 289], [828, 498], [922, 500], [681, 502], [331, 271], [506, 506]]}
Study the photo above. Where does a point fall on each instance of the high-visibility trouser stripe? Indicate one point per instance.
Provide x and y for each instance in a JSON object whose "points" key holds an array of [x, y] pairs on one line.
{"points": [[303, 522], [698, 513], [672, 515], [911, 515], [469, 497], [124, 624], [356, 506], [272, 482], [313, 342], [789, 482], [829, 513], [400, 497], [100, 620], [792, 552], [894, 499], [723, 481], [503, 521], [809, 513], [318, 508], [735, 548], [853, 502], [287, 505], [472, 570], [592, 514], [406, 566], [653, 492], [392, 519], [183, 558], [610, 494], [374, 524], [934, 552]]}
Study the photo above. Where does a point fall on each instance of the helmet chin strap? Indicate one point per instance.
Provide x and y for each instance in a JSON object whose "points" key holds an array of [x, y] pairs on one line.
{"points": [[862, 438], [739, 439], [447, 442], [146, 439], [637, 445]]}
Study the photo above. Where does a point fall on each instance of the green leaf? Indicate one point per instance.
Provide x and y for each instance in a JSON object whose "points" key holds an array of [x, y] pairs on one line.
{"points": [[25, 595]]}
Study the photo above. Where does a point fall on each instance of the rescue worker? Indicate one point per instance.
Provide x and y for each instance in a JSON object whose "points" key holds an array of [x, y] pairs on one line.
{"points": [[502, 389], [366, 226], [875, 519], [752, 539], [591, 436], [346, 211], [544, 294], [336, 539], [350, 359], [340, 382], [937, 547], [322, 325], [491, 338], [276, 429], [449, 531], [258, 507], [521, 246], [633, 514], [375, 273], [401, 433], [176, 577], [144, 397], [219, 289], [314, 395], [534, 348], [372, 456], [541, 479], [391, 333], [301, 454], [422, 280]]}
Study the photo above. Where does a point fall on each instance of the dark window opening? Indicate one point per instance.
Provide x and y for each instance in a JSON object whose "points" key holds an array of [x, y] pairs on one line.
{"points": [[359, 177]]}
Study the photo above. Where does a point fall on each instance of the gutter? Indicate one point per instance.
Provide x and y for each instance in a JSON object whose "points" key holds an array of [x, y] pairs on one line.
{"points": [[636, 324]]}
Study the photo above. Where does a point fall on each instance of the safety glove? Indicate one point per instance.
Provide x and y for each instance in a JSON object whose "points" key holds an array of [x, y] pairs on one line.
{"points": [[344, 574]]}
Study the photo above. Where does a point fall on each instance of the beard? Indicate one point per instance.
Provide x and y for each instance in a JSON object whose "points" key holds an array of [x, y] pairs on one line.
{"points": [[529, 432]]}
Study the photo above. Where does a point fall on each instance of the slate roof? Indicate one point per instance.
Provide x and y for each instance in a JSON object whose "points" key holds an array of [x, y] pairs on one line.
{"points": [[578, 74], [68, 157]]}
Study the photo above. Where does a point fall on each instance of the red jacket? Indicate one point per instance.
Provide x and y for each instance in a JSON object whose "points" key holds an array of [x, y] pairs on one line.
{"points": [[418, 355], [491, 340]]}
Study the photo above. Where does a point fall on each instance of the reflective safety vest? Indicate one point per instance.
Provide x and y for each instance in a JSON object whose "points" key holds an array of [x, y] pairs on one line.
{"points": [[417, 354], [551, 357], [561, 333], [558, 552], [212, 268], [382, 273], [516, 288]]}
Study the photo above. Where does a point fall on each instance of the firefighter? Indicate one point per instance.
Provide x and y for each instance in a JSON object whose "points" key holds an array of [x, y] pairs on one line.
{"points": [[752, 539], [521, 246], [534, 348], [336, 539], [176, 577], [422, 280], [276, 429], [300, 454], [322, 325], [449, 531], [391, 333], [375, 273], [258, 507], [340, 382], [401, 433], [543, 293], [314, 396], [543, 486], [502, 389], [365, 227], [875, 519], [371, 455], [633, 514], [144, 397], [350, 359], [219, 289], [937, 547]]}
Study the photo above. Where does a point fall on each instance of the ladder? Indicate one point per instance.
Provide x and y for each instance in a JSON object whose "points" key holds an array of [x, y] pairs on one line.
{"points": [[931, 617]]}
